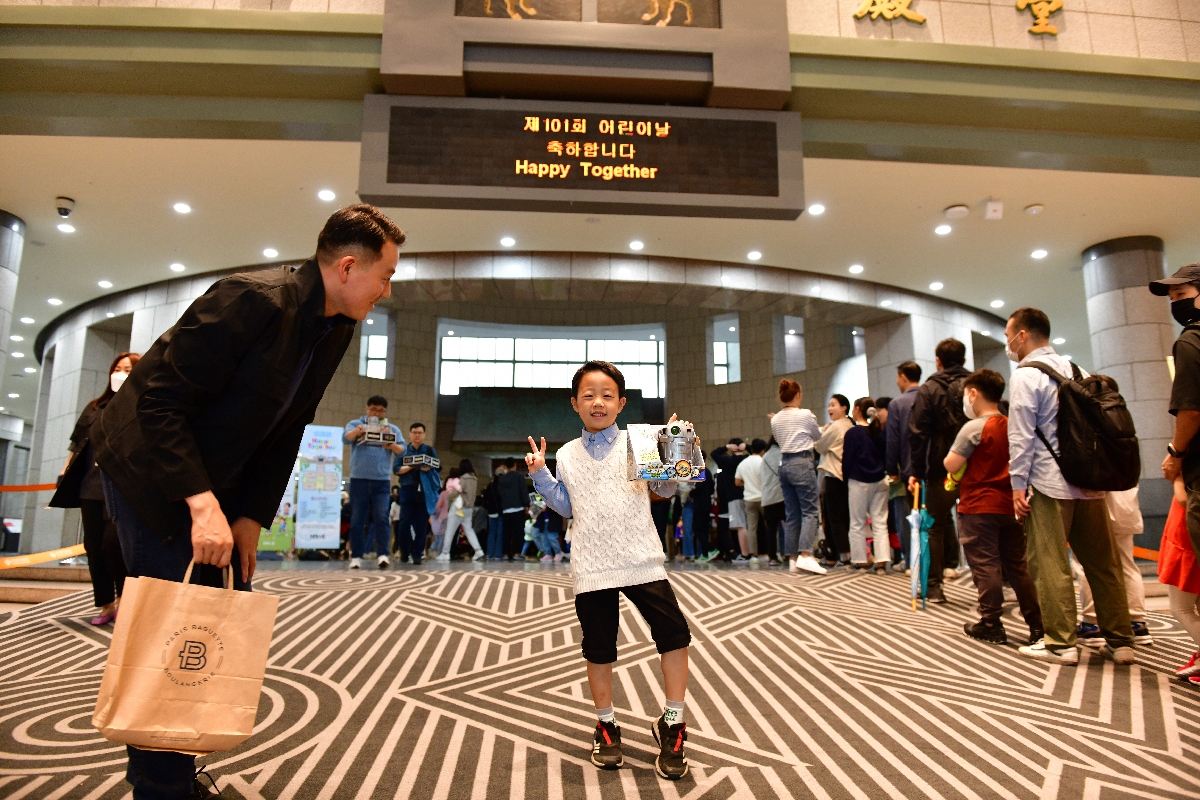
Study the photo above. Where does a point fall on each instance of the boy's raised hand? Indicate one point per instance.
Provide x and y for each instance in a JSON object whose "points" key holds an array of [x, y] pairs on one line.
{"points": [[537, 459]]}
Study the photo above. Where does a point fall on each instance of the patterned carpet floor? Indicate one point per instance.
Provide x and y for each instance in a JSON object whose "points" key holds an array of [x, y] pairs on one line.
{"points": [[468, 683]]}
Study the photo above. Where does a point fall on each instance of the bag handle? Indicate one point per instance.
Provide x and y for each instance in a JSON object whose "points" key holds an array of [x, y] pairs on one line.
{"points": [[227, 572]]}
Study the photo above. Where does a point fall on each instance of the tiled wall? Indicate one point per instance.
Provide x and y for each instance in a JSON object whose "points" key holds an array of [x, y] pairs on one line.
{"points": [[1140, 28]]}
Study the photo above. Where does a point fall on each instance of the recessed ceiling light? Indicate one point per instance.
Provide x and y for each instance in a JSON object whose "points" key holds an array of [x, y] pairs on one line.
{"points": [[636, 245], [886, 304], [997, 303], [66, 227], [104, 284], [957, 212], [942, 230], [370, 322], [1036, 208], [754, 255], [54, 301], [652, 336], [327, 195], [27, 320], [507, 241], [732, 329], [1039, 253], [177, 267], [855, 269], [1060, 340], [110, 315], [449, 333], [17, 355], [270, 252], [936, 286], [13, 395], [985, 333], [17, 338], [30, 370], [792, 332], [816, 209], [182, 208]]}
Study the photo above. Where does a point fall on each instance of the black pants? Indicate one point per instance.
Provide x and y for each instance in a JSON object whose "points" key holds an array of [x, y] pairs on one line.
{"points": [[701, 523], [724, 542], [994, 545], [600, 616], [660, 512], [836, 504], [943, 539], [514, 531], [103, 548], [414, 527], [771, 535]]}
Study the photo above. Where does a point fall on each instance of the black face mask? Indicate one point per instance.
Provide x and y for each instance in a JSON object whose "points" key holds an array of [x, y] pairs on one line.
{"points": [[1185, 311]]}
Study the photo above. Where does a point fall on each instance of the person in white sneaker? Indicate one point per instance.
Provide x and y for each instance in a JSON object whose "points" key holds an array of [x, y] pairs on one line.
{"points": [[796, 430], [461, 516]]}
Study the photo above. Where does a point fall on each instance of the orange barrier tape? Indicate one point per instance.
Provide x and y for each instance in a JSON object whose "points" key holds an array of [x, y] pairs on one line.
{"points": [[1149, 555], [41, 558], [32, 487]]}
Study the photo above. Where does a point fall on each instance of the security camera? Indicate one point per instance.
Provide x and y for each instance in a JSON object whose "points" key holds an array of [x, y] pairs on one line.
{"points": [[65, 206]]}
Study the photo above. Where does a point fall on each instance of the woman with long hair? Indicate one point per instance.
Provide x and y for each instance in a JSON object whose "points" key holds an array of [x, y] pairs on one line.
{"points": [[835, 501], [866, 484], [796, 430], [464, 518], [79, 487]]}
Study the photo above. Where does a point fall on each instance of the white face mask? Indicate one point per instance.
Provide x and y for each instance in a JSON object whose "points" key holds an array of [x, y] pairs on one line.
{"points": [[1008, 351], [116, 379], [968, 408]]}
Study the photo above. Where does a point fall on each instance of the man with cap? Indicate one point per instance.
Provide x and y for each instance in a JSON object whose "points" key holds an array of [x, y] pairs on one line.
{"points": [[1183, 452]]}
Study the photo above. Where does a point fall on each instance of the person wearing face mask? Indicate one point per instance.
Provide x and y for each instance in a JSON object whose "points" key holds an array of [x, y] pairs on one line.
{"points": [[1057, 513], [79, 487], [992, 539]]}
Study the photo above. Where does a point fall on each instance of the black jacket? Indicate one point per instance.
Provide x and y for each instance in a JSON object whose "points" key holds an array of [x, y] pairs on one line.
{"points": [[512, 490], [927, 442], [204, 409]]}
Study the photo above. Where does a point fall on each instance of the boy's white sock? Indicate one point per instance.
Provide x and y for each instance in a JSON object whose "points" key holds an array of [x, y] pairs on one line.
{"points": [[673, 712], [606, 715]]}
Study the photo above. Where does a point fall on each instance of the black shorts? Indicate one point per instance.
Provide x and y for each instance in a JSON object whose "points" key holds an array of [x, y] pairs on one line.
{"points": [[599, 616]]}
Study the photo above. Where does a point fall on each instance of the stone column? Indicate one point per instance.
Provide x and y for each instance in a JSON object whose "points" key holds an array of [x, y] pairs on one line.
{"points": [[1132, 333], [910, 338], [12, 243]]}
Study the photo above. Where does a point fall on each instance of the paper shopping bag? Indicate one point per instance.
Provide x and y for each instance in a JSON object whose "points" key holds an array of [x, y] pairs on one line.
{"points": [[186, 666]]}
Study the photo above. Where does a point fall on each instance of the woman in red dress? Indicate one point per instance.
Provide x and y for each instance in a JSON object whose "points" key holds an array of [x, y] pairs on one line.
{"points": [[1177, 569]]}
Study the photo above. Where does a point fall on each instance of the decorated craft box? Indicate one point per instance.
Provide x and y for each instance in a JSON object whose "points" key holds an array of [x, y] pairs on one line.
{"points": [[665, 453]]}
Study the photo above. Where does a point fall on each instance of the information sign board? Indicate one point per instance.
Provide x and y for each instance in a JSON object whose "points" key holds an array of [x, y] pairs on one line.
{"points": [[319, 489]]}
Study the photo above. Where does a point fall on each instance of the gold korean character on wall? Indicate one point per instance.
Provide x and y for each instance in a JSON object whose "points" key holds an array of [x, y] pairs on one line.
{"points": [[1042, 9], [889, 10]]}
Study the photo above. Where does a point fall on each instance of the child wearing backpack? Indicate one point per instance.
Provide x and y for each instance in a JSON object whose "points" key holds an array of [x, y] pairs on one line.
{"points": [[992, 539]]}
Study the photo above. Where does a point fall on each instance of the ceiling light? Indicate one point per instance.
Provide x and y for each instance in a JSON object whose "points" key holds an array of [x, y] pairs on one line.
{"points": [[1067, 357], [886, 304], [27, 320], [942, 230], [13, 395], [985, 333], [652, 336], [792, 332], [754, 255], [855, 269], [30, 370], [270, 252], [732, 329], [957, 212], [370, 322], [326, 195], [104, 284], [110, 315], [177, 267], [507, 241], [54, 301], [636, 245], [997, 303], [1039, 253], [66, 227], [816, 209], [936, 286], [17, 355], [1060, 340], [1036, 208], [182, 208], [16, 338], [449, 333]]}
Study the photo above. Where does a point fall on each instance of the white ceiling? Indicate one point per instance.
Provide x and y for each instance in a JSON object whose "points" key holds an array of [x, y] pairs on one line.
{"points": [[249, 195]]}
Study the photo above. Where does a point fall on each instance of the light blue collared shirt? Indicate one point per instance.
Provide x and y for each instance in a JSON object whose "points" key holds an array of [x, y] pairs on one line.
{"points": [[1033, 404], [598, 446]]}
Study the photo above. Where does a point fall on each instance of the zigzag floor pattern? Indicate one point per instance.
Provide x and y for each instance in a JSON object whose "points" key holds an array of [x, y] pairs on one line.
{"points": [[468, 683]]}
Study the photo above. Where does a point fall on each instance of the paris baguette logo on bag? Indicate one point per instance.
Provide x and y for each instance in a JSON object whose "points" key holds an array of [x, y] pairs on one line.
{"points": [[186, 666]]}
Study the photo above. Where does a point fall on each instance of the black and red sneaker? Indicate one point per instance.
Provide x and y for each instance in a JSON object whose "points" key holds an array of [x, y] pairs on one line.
{"points": [[671, 763], [606, 746]]}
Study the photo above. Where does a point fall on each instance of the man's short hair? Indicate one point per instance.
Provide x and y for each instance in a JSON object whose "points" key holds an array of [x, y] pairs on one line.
{"points": [[758, 446], [1032, 320], [951, 352], [357, 230], [735, 440], [377, 400], [416, 425], [598, 366], [987, 382], [510, 462], [911, 370], [883, 402]]}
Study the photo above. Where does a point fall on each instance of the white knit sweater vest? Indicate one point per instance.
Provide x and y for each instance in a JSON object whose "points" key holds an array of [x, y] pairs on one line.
{"points": [[613, 539]]}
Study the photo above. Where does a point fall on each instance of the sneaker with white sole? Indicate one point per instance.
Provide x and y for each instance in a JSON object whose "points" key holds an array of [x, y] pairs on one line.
{"points": [[1088, 634], [1192, 667], [1119, 655], [383, 562], [356, 563], [479, 556], [1057, 655], [443, 557], [1141, 633], [808, 564]]}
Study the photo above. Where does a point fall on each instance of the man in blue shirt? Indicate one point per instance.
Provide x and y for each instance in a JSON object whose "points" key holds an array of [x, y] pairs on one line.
{"points": [[419, 488], [370, 481]]}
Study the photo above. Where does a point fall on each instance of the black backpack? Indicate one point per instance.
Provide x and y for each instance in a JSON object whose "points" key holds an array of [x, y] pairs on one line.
{"points": [[1096, 437], [952, 417]]}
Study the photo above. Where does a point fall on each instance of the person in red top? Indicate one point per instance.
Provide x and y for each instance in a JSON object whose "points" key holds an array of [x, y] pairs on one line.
{"points": [[1178, 571], [992, 539]]}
